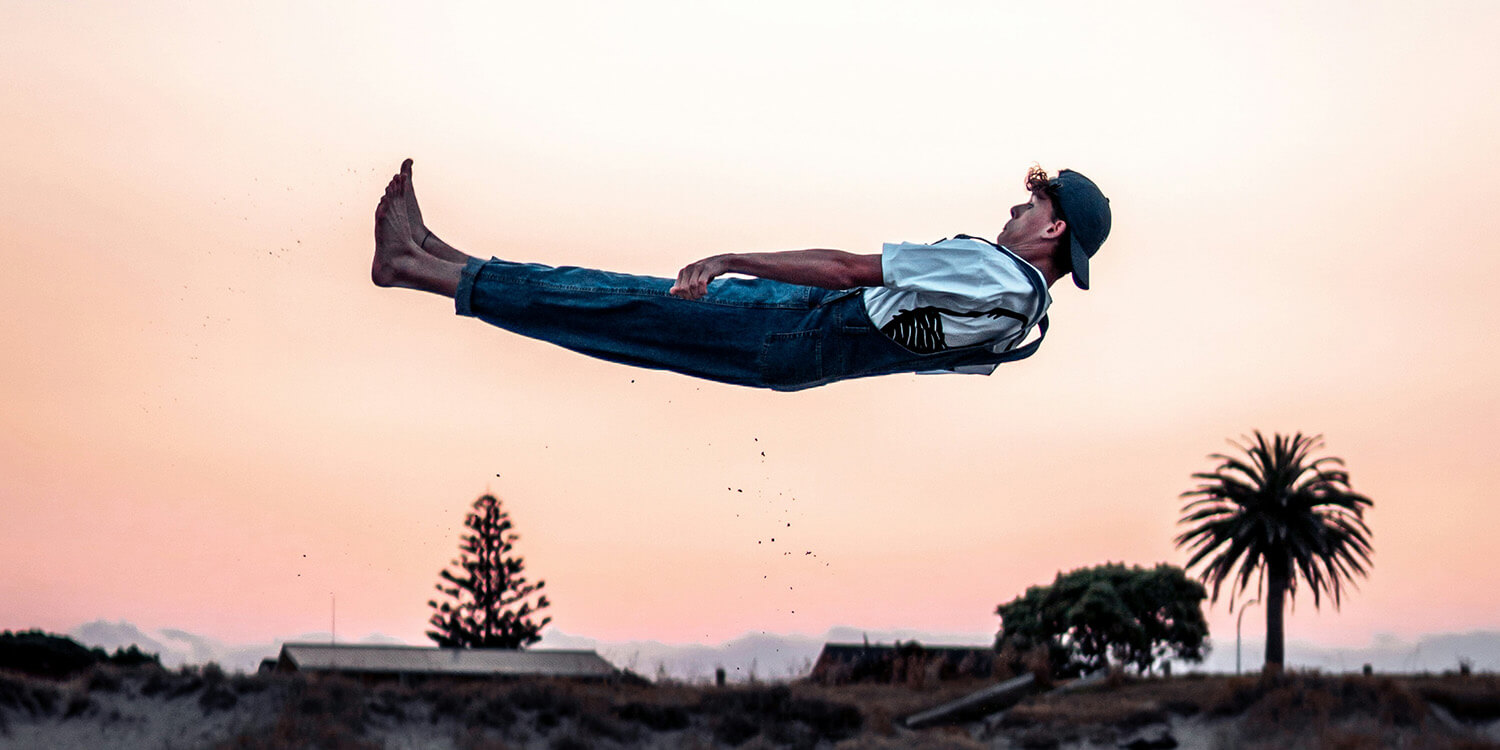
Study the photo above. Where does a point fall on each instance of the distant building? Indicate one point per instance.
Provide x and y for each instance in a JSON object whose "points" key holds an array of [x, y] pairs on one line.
{"points": [[408, 663], [905, 663]]}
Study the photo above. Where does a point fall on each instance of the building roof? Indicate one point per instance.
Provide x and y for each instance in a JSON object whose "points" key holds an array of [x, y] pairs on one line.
{"points": [[841, 663], [450, 661]]}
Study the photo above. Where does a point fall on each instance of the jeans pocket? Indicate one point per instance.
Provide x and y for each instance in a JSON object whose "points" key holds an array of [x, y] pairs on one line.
{"points": [[789, 361]]}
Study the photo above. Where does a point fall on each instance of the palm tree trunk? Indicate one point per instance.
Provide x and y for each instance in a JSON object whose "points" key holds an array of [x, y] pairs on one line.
{"points": [[1276, 585]]}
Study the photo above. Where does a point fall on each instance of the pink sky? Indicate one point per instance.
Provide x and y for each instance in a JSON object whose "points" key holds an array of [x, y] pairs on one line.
{"points": [[211, 420]]}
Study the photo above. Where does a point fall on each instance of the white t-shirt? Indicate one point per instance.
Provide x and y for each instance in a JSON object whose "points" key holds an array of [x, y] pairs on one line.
{"points": [[953, 293]]}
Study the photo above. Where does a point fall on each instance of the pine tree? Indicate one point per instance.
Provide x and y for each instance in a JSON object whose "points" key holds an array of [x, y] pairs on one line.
{"points": [[486, 584]]}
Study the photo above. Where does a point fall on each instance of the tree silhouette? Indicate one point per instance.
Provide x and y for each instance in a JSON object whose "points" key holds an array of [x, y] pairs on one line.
{"points": [[1139, 615], [1277, 515], [485, 584]]}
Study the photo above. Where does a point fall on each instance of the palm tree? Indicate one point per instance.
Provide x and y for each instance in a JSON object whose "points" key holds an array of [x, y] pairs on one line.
{"points": [[1277, 515]]}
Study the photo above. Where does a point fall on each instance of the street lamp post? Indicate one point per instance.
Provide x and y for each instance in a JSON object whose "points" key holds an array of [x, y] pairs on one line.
{"points": [[1237, 622]]}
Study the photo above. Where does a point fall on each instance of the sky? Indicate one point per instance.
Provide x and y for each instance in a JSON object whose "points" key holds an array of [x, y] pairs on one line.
{"points": [[213, 421]]}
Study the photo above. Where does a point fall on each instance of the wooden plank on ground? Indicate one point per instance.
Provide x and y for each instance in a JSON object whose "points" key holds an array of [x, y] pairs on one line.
{"points": [[988, 700], [1097, 677]]}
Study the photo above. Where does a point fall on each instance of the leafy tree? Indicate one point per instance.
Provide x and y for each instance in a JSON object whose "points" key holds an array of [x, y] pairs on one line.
{"points": [[485, 584], [1138, 615], [1276, 515]]}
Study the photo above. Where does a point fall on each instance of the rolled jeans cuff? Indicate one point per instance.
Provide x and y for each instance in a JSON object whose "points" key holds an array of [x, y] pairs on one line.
{"points": [[465, 291]]}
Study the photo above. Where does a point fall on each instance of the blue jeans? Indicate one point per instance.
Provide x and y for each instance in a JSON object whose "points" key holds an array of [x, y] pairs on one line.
{"points": [[750, 332]]}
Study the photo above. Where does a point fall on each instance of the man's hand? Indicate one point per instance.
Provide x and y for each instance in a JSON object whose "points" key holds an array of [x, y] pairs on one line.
{"points": [[829, 269], [692, 280]]}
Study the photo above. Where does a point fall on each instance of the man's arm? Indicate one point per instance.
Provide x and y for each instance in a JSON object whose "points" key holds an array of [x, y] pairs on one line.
{"points": [[829, 269]]}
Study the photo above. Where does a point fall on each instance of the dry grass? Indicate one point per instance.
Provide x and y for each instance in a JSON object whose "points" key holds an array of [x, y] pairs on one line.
{"points": [[1288, 711], [338, 713], [1468, 698], [930, 740], [895, 700], [1293, 710]]}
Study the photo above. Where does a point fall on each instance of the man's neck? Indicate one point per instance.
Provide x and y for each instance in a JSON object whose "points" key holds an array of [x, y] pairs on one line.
{"points": [[1040, 256]]}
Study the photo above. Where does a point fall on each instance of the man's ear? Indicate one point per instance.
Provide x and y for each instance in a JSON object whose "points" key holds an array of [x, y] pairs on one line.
{"points": [[1055, 229]]}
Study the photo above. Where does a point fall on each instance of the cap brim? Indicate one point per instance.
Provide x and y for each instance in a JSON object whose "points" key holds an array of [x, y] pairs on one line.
{"points": [[1080, 265]]}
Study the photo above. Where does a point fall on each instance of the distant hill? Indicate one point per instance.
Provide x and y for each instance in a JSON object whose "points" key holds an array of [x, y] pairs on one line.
{"points": [[776, 656]]}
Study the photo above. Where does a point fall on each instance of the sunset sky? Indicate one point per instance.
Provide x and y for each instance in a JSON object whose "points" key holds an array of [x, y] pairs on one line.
{"points": [[211, 420]]}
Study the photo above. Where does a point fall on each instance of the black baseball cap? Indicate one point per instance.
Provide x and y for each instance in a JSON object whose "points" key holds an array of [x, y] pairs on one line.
{"points": [[1078, 201]]}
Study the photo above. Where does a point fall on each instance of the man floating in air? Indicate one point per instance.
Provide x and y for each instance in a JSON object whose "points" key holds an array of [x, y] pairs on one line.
{"points": [[804, 318]]}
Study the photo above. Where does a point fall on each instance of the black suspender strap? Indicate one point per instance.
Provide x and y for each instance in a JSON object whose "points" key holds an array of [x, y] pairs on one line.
{"points": [[1040, 284], [1022, 352]]}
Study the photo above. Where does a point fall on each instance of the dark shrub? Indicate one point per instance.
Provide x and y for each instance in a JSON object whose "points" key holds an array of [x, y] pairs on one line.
{"points": [[753, 701], [1039, 739], [335, 700], [171, 684], [1471, 699], [569, 742], [494, 711], [1298, 702], [317, 712], [1397, 704], [656, 718], [388, 704], [776, 705], [134, 657], [104, 680], [791, 735], [243, 684], [1182, 707], [1241, 695], [547, 720], [594, 725], [155, 684], [212, 673], [447, 703], [735, 730], [79, 705], [1017, 720], [1144, 717], [17, 693], [217, 698], [42, 655], [832, 721], [54, 656], [186, 683], [542, 697], [293, 730]]}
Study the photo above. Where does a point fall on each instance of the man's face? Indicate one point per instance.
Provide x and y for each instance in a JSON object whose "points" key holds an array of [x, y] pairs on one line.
{"points": [[1030, 221]]}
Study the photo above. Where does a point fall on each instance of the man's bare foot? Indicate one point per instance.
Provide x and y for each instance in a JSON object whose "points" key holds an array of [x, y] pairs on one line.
{"points": [[420, 234], [396, 255]]}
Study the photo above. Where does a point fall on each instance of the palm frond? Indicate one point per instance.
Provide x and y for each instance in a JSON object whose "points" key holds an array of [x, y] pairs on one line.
{"points": [[1274, 500]]}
